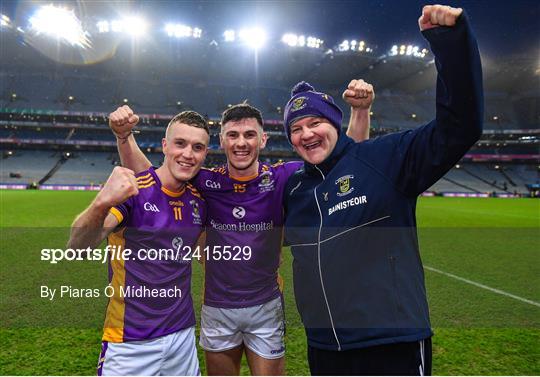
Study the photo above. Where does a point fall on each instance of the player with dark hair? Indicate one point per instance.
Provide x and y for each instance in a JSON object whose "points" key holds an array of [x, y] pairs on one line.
{"points": [[351, 221], [243, 308], [149, 324]]}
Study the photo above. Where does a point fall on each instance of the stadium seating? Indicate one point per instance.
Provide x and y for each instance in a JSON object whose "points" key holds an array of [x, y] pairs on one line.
{"points": [[162, 81], [30, 165]]}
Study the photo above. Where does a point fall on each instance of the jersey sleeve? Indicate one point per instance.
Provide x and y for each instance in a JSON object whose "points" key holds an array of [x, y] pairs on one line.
{"points": [[122, 212], [291, 167], [199, 181]]}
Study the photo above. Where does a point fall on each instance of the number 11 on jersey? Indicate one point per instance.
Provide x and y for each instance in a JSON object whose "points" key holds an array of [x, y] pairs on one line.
{"points": [[177, 213]]}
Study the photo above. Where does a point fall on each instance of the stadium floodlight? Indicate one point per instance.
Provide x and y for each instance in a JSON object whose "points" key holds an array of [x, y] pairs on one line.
{"points": [[290, 39], [229, 35], [60, 23], [402, 49], [354, 45], [314, 42], [344, 46], [4, 20], [103, 27], [253, 37], [409, 50], [419, 54], [132, 25], [182, 31], [135, 26], [294, 40]]}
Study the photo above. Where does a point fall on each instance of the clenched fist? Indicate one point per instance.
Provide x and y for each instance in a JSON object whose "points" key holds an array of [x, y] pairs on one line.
{"points": [[120, 186], [122, 121], [438, 15], [359, 94]]}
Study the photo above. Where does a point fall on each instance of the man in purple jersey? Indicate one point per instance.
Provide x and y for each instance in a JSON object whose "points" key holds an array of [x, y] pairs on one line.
{"points": [[152, 221], [242, 308]]}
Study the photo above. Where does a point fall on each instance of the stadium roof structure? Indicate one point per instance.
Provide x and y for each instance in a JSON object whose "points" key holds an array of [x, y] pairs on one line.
{"points": [[281, 66], [186, 57]]}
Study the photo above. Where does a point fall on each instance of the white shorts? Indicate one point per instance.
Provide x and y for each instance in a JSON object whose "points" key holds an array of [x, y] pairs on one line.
{"points": [[260, 328], [170, 355]]}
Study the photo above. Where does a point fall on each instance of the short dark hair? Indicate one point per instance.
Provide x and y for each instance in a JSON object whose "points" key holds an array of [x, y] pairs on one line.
{"points": [[241, 111], [191, 118]]}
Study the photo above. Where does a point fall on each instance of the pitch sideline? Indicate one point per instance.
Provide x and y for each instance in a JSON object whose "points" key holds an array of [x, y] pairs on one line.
{"points": [[494, 290]]}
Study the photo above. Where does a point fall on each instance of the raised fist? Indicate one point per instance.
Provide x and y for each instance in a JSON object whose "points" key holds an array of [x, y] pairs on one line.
{"points": [[122, 121], [120, 186], [438, 15], [359, 94]]}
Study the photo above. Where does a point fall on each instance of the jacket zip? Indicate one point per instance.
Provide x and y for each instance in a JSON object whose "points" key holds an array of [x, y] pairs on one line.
{"points": [[319, 262]]}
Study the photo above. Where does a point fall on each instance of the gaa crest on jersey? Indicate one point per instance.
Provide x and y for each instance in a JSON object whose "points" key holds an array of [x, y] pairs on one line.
{"points": [[150, 207], [267, 182], [344, 185], [212, 184], [195, 212], [298, 104]]}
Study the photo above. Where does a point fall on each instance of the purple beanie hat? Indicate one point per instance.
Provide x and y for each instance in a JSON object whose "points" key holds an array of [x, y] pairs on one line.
{"points": [[305, 101]]}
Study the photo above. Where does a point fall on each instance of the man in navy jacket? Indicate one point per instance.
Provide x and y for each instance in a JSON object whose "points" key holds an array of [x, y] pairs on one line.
{"points": [[351, 222]]}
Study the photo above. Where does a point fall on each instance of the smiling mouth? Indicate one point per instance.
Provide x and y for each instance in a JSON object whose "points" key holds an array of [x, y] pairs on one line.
{"points": [[312, 146], [241, 153], [185, 164]]}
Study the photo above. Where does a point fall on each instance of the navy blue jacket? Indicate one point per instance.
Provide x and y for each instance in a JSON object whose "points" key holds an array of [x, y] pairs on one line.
{"points": [[350, 221]]}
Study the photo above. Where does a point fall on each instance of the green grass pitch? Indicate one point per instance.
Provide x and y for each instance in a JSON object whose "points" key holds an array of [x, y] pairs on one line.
{"points": [[482, 259]]}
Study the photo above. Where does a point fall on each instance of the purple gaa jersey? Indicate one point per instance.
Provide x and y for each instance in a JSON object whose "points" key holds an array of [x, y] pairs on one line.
{"points": [[152, 295], [245, 215]]}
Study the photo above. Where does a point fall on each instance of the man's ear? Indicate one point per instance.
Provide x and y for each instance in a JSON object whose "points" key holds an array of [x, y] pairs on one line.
{"points": [[264, 139], [164, 145]]}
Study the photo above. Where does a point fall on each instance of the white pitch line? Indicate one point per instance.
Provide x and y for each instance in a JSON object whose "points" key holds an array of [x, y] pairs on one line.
{"points": [[498, 291]]}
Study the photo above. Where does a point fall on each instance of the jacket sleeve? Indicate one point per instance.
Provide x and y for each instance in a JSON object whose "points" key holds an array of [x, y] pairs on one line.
{"points": [[428, 152]]}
